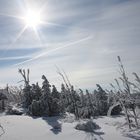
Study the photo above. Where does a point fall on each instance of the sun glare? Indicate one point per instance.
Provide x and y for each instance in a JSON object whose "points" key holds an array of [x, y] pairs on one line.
{"points": [[32, 19]]}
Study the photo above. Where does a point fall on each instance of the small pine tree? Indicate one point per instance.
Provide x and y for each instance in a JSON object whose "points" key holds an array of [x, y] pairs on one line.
{"points": [[55, 102], [46, 96], [55, 93], [36, 92]]}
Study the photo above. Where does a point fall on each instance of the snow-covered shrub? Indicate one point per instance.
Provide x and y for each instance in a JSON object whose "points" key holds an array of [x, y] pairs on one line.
{"points": [[85, 112], [55, 107], [13, 111], [36, 108], [89, 126], [68, 118], [100, 101]]}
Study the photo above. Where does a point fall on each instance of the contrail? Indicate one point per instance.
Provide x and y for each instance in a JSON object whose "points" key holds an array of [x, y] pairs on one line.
{"points": [[53, 50], [14, 58]]}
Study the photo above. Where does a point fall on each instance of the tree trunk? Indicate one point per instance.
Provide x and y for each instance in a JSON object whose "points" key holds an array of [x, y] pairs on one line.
{"points": [[3, 105], [127, 116], [135, 117]]}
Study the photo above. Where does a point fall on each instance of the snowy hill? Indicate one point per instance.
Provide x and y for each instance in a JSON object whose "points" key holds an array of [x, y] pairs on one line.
{"points": [[54, 128]]}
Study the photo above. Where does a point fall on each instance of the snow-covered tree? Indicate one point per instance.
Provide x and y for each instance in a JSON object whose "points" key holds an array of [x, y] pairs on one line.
{"points": [[46, 96], [101, 101], [27, 88], [125, 95], [35, 92], [55, 107]]}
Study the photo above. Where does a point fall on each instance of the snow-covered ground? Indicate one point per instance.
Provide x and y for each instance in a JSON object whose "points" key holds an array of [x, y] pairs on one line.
{"points": [[28, 128]]}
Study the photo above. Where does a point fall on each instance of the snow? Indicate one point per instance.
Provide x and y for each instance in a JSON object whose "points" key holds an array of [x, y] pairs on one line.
{"points": [[56, 128]]}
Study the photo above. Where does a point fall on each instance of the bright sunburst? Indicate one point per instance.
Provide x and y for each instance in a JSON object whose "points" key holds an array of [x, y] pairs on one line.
{"points": [[32, 19]]}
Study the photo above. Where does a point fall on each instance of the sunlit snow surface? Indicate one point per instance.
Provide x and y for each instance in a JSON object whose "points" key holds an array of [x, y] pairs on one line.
{"points": [[55, 128]]}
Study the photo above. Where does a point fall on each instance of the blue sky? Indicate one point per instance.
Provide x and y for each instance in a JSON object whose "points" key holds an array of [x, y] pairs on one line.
{"points": [[83, 37]]}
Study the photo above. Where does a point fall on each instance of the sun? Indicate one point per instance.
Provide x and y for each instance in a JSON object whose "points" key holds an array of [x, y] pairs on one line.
{"points": [[32, 19]]}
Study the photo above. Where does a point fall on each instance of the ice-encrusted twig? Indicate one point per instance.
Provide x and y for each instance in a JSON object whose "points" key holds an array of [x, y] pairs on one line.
{"points": [[3, 131]]}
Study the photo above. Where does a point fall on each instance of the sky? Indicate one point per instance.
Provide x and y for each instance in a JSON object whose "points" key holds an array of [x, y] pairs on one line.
{"points": [[81, 37]]}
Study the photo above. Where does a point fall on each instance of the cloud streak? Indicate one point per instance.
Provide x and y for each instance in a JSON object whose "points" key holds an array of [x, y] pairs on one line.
{"points": [[14, 58], [55, 49]]}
